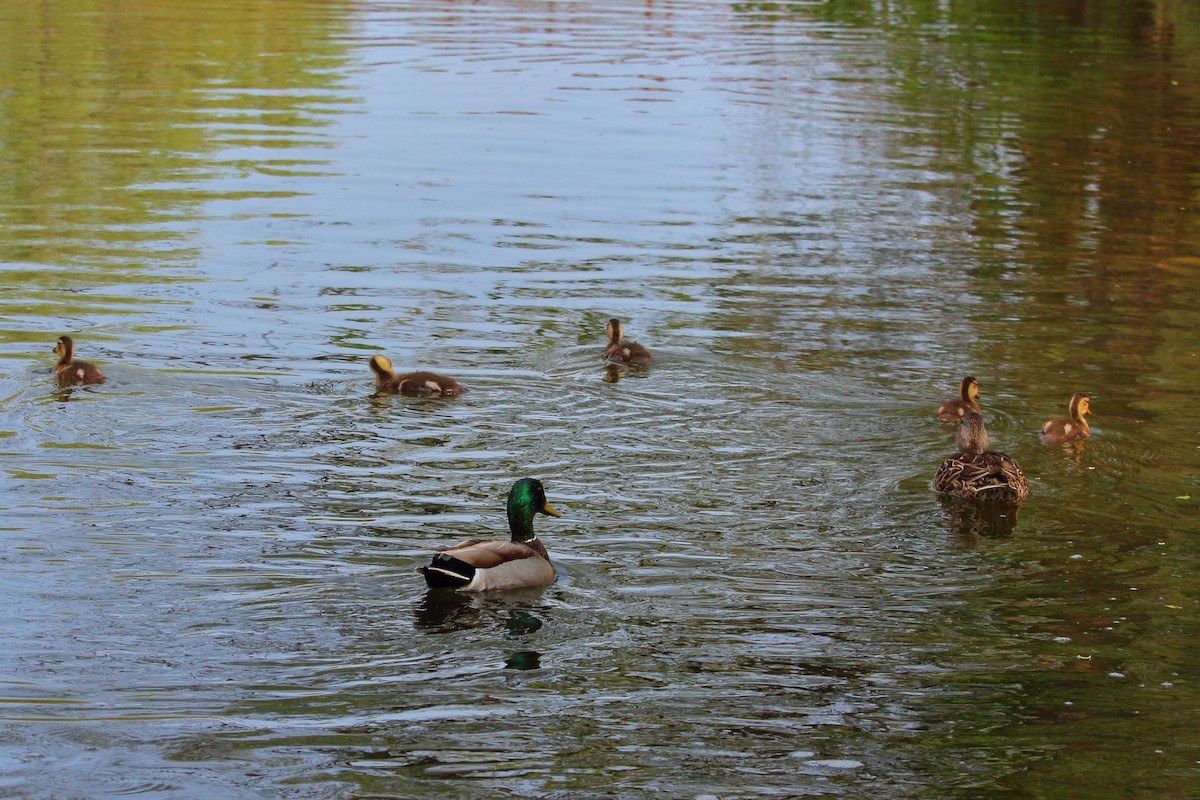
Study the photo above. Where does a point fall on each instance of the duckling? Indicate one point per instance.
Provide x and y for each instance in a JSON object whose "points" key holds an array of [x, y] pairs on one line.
{"points": [[1073, 428], [477, 565], [620, 349], [953, 410], [977, 473], [427, 384], [70, 372]]}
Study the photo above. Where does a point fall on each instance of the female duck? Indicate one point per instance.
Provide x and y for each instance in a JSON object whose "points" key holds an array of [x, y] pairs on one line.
{"points": [[620, 349], [426, 384], [1073, 428], [479, 566], [70, 372], [977, 473], [953, 410]]}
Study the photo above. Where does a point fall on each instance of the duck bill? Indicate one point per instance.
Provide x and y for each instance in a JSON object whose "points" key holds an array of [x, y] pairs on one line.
{"points": [[551, 510]]}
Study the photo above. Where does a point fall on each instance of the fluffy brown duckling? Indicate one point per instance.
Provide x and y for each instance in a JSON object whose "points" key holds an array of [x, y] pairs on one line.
{"points": [[425, 384], [1073, 428], [953, 410], [522, 562], [977, 473], [71, 372], [621, 349]]}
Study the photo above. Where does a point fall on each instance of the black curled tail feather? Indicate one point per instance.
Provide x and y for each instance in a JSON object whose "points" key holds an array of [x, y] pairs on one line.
{"points": [[447, 572]]}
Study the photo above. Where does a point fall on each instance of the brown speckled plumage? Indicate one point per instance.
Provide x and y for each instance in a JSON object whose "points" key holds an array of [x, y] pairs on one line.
{"points": [[977, 473]]}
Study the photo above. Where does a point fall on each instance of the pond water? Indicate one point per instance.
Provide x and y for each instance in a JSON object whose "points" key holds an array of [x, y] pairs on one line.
{"points": [[818, 215]]}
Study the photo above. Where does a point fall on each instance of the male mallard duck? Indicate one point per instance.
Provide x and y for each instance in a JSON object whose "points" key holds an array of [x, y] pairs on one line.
{"points": [[1073, 428], [477, 565], [70, 372], [620, 349], [953, 410], [427, 384], [977, 473]]}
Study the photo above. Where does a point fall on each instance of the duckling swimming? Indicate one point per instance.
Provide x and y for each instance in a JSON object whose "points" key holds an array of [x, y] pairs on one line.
{"points": [[977, 473], [620, 349], [953, 410], [425, 384], [1072, 428], [70, 372], [522, 562]]}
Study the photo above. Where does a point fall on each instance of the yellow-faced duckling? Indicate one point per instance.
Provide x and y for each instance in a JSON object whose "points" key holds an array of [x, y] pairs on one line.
{"points": [[977, 473], [70, 372], [425, 384], [621, 349], [1073, 428], [953, 410], [477, 565]]}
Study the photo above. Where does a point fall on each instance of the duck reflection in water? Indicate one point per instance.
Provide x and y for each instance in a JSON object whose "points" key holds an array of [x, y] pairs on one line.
{"points": [[446, 611], [613, 373], [971, 520], [524, 659]]}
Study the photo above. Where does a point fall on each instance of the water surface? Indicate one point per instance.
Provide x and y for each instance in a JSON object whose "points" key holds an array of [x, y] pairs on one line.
{"points": [[819, 216]]}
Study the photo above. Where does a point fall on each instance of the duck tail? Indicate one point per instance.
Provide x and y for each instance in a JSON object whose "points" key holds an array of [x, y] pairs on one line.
{"points": [[447, 572]]}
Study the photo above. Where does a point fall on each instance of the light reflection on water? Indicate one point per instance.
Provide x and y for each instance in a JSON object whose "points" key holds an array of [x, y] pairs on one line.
{"points": [[210, 558]]}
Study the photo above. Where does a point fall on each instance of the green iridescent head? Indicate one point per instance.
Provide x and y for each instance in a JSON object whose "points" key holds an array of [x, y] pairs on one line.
{"points": [[525, 499]]}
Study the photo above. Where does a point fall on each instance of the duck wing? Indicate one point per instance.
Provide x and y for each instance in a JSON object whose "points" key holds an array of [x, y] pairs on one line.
{"points": [[477, 565], [983, 476], [486, 554]]}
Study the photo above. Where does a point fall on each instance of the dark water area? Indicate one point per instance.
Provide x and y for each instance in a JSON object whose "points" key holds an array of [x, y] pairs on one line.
{"points": [[819, 216]]}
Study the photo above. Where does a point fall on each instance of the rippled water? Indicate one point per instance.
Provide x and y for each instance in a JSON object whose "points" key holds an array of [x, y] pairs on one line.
{"points": [[819, 216]]}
